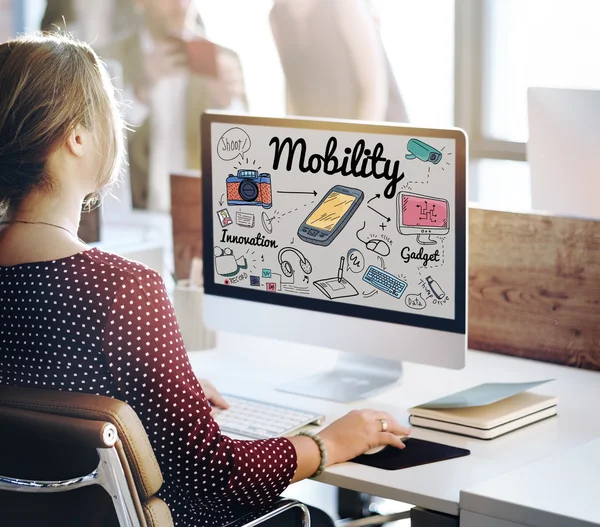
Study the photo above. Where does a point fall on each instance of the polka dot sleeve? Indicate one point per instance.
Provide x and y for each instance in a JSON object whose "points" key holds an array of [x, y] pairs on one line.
{"points": [[152, 373]]}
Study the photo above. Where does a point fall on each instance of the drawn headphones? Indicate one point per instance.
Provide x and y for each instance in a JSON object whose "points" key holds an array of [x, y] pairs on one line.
{"points": [[286, 266]]}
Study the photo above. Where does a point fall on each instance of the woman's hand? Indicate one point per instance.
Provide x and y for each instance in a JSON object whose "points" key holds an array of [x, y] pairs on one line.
{"points": [[213, 396], [359, 431]]}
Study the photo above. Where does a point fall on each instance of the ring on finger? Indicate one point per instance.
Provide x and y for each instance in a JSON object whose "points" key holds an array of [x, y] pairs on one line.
{"points": [[384, 425]]}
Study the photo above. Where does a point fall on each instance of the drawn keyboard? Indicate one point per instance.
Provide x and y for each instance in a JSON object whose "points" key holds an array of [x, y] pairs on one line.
{"points": [[385, 282]]}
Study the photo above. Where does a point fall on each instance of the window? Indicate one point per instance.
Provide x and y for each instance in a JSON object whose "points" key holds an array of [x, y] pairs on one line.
{"points": [[421, 59], [419, 40], [244, 27], [502, 48], [506, 46], [466, 63], [551, 43]]}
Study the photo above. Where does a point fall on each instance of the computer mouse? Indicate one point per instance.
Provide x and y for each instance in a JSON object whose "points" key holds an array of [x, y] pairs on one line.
{"points": [[379, 247], [374, 450], [377, 449]]}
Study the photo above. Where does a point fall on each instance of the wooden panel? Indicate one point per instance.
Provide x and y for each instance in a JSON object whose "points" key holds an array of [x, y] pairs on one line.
{"points": [[186, 210], [534, 281], [534, 287]]}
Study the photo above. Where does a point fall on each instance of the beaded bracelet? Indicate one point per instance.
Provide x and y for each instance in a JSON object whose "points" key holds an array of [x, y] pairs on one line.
{"points": [[322, 450]]}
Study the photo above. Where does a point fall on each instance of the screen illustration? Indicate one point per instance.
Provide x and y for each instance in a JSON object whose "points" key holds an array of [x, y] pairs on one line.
{"points": [[331, 215], [337, 216], [422, 216]]}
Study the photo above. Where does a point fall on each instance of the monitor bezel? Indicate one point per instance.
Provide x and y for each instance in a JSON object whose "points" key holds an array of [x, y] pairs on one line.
{"points": [[456, 325]]}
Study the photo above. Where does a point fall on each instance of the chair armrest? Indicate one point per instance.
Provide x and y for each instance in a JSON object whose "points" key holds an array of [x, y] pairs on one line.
{"points": [[271, 511], [58, 428]]}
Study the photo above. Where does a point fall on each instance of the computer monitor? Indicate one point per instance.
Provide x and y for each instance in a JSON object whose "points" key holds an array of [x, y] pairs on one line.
{"points": [[563, 151], [309, 236]]}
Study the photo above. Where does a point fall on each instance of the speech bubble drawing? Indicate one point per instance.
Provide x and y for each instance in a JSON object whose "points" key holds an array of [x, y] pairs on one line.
{"points": [[356, 261], [233, 143], [416, 301]]}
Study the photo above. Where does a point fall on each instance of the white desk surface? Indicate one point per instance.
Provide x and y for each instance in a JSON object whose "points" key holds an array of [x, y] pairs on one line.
{"points": [[563, 489], [253, 367]]}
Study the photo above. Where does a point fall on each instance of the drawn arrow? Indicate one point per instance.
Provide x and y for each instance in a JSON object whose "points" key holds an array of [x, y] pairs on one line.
{"points": [[382, 262], [372, 293], [313, 192], [376, 197], [382, 215], [221, 200]]}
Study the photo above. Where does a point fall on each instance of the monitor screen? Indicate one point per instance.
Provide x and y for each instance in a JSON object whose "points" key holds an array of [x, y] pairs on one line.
{"points": [[359, 220], [423, 211]]}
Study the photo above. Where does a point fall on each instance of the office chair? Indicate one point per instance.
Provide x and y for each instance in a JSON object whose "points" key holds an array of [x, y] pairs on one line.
{"points": [[81, 459]]}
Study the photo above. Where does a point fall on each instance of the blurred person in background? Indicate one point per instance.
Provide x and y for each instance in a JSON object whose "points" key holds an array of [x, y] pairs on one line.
{"points": [[171, 75], [89, 21], [57, 15], [334, 61]]}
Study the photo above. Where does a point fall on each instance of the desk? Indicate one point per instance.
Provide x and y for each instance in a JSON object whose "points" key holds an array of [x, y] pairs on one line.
{"points": [[535, 495], [253, 367]]}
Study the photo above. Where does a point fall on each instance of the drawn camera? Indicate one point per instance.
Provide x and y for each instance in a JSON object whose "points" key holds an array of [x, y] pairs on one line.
{"points": [[226, 264], [423, 151], [249, 188]]}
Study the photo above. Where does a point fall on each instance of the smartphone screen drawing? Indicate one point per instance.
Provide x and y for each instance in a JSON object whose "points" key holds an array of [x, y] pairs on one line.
{"points": [[331, 215]]}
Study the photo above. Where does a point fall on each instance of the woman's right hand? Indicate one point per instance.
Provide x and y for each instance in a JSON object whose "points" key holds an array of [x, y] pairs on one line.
{"points": [[359, 431]]}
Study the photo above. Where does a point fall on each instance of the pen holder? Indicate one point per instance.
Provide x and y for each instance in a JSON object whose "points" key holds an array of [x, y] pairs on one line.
{"points": [[188, 302]]}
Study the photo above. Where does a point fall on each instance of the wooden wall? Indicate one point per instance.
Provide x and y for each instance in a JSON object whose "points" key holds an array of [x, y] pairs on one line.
{"points": [[534, 280], [186, 211], [534, 287]]}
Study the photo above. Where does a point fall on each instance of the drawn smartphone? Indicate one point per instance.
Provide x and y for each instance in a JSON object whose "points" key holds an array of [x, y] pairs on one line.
{"points": [[331, 215]]}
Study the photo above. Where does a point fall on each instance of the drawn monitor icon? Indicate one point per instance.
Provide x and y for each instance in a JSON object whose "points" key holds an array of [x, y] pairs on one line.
{"points": [[422, 216]]}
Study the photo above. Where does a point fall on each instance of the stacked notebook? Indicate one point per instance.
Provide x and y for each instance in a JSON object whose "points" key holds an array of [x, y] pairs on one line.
{"points": [[486, 411]]}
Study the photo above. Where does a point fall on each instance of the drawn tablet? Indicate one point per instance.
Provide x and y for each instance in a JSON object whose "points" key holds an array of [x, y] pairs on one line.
{"points": [[336, 288]]}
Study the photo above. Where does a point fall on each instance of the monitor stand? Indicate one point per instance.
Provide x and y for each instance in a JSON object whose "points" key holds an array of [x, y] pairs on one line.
{"points": [[354, 377], [425, 239]]}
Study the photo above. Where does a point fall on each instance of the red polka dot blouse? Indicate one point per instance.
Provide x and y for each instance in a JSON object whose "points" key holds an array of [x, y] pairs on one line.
{"points": [[98, 323]]}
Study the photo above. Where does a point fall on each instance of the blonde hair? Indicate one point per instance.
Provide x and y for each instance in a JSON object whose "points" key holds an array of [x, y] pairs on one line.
{"points": [[49, 85]]}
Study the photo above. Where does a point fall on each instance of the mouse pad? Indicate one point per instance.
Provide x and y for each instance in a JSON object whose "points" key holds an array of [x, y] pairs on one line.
{"points": [[417, 452]]}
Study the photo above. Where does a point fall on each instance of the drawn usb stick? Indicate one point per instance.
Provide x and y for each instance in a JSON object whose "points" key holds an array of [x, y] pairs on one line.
{"points": [[436, 289], [331, 215]]}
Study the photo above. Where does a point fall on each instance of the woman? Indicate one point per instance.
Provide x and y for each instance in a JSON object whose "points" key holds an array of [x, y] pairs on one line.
{"points": [[80, 319]]}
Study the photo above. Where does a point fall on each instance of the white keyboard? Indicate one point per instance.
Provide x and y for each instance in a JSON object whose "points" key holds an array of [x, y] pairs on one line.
{"points": [[261, 420]]}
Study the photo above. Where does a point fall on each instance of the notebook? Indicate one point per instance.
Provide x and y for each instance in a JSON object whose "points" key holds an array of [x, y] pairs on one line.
{"points": [[486, 411]]}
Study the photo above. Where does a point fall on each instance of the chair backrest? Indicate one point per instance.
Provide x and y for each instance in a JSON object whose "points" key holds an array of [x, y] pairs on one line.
{"points": [[77, 441]]}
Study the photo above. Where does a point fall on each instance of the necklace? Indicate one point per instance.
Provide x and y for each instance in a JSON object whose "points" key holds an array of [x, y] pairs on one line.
{"points": [[39, 223]]}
